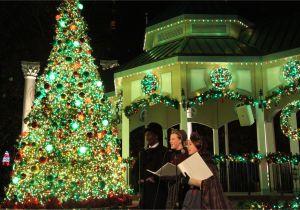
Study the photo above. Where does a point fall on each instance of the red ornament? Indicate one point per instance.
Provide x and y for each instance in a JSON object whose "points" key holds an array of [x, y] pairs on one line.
{"points": [[100, 135], [77, 65], [57, 17], [81, 117], [24, 134], [102, 151], [73, 27], [35, 124], [47, 86], [89, 135], [89, 52], [88, 101], [75, 74], [43, 160]]}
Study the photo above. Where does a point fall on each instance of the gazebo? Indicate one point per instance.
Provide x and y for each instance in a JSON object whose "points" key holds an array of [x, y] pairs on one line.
{"points": [[213, 69]]}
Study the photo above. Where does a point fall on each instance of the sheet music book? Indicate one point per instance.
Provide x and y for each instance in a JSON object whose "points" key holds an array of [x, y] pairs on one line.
{"points": [[168, 169], [195, 167]]}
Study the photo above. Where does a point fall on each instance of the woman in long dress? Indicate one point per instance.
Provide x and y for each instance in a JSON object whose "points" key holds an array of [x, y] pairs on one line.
{"points": [[176, 190], [204, 194]]}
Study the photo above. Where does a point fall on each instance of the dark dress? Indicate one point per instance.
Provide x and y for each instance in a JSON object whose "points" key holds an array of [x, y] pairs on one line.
{"points": [[153, 195], [176, 190], [211, 195]]}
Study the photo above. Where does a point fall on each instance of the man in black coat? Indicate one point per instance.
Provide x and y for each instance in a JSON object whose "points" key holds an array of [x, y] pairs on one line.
{"points": [[153, 191]]}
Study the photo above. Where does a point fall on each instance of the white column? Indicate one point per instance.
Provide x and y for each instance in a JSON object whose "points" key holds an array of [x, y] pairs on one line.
{"points": [[30, 70], [216, 141], [270, 136], [263, 148], [227, 152], [125, 136], [125, 143], [165, 137], [189, 124], [294, 145], [226, 139], [183, 119]]}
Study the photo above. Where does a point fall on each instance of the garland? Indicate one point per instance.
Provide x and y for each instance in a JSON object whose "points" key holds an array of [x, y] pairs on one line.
{"points": [[114, 201], [221, 78], [277, 158], [243, 158], [285, 118], [294, 204], [149, 83], [150, 101], [281, 91], [216, 94]]}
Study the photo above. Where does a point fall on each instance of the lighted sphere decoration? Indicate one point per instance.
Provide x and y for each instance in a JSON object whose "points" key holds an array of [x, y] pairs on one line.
{"points": [[285, 119], [149, 83], [221, 78], [291, 71]]}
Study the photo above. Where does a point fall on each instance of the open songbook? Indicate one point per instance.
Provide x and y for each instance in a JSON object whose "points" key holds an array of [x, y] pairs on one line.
{"points": [[194, 166]]}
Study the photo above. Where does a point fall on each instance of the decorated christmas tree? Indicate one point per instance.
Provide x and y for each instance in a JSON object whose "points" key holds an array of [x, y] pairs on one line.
{"points": [[71, 150]]}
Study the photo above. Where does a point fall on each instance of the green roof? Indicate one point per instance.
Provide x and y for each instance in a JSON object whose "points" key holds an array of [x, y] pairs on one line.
{"points": [[193, 46]]}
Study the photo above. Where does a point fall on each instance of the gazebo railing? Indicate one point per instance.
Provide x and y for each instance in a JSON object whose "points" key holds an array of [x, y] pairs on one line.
{"points": [[239, 177], [244, 177]]}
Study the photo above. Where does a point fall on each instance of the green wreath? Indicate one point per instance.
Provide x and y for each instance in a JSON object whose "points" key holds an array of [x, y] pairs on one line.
{"points": [[291, 71], [149, 83], [221, 78], [286, 127]]}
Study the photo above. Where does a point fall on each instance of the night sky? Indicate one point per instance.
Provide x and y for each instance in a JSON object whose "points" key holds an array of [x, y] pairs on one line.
{"points": [[27, 31]]}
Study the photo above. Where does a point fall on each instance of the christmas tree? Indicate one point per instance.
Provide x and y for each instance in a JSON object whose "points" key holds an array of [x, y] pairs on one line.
{"points": [[71, 149]]}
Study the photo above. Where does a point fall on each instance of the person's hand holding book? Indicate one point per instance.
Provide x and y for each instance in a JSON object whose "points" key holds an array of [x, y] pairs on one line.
{"points": [[185, 179]]}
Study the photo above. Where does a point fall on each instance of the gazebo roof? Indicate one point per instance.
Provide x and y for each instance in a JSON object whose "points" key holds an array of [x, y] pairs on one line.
{"points": [[193, 46], [269, 36], [273, 36]]}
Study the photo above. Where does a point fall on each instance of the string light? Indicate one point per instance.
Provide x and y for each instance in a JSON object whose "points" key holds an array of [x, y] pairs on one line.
{"points": [[198, 20]]}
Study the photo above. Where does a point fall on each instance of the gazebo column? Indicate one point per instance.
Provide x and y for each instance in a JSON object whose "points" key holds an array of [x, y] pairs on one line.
{"points": [[165, 137], [294, 145], [216, 141], [227, 153], [265, 144], [125, 142], [30, 70], [125, 136], [189, 124], [183, 118]]}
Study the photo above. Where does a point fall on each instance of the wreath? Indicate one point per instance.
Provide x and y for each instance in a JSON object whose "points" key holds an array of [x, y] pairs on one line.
{"points": [[291, 71], [221, 78], [149, 83], [285, 120]]}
